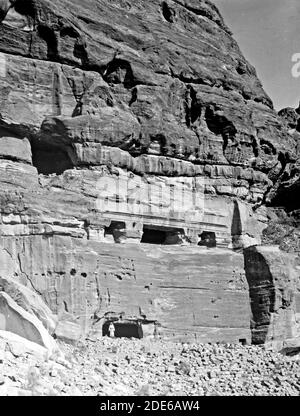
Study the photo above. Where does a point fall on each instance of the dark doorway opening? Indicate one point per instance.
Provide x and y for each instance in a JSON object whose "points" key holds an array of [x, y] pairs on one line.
{"points": [[153, 236], [162, 235], [116, 229], [243, 341], [126, 329], [208, 239], [50, 159], [49, 36]]}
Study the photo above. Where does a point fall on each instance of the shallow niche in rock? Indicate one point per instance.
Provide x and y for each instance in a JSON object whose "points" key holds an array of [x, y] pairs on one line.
{"points": [[267, 147], [208, 239], [49, 36], [119, 71], [157, 145], [163, 235], [220, 125], [168, 13], [115, 232]]}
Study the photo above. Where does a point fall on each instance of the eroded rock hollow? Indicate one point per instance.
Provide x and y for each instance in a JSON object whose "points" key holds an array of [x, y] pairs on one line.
{"points": [[141, 162]]}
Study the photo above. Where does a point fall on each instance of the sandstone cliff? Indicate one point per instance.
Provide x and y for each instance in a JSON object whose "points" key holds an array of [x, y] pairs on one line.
{"points": [[137, 122]]}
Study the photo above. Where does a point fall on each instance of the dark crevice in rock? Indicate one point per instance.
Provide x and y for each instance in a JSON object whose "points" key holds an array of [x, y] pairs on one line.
{"points": [[80, 52], [286, 196], [29, 9], [241, 68], [255, 146], [14, 159], [196, 107], [286, 185], [78, 108], [50, 37], [283, 160], [86, 19], [187, 106], [168, 13], [66, 306], [236, 226], [57, 93], [119, 71], [69, 31], [78, 95], [26, 8], [220, 125], [262, 293], [133, 97]]}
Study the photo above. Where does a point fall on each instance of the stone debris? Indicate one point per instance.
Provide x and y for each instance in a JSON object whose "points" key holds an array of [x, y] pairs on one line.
{"points": [[152, 367]]}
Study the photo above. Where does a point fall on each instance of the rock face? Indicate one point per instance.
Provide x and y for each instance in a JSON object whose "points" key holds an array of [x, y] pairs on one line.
{"points": [[15, 319], [274, 293], [30, 301], [179, 287], [134, 122]]}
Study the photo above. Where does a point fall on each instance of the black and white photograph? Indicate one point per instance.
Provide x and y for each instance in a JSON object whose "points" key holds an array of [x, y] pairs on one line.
{"points": [[149, 202]]}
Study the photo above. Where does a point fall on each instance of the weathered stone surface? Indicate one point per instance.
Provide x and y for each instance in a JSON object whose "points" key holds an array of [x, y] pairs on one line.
{"points": [[24, 324], [274, 292], [15, 149], [30, 301], [68, 331], [180, 287], [20, 346]]}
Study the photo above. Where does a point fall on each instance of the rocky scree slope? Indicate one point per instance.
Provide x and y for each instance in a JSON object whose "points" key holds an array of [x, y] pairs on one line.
{"points": [[108, 367]]}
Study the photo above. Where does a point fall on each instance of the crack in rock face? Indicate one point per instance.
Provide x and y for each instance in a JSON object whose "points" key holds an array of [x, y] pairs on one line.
{"points": [[142, 166]]}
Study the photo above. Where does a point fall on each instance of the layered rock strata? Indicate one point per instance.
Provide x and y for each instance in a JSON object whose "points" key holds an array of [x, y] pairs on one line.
{"points": [[133, 122]]}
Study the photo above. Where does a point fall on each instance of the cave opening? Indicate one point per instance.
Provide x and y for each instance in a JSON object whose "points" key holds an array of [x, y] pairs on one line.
{"points": [[208, 239], [153, 236], [50, 159], [162, 235], [125, 329]]}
